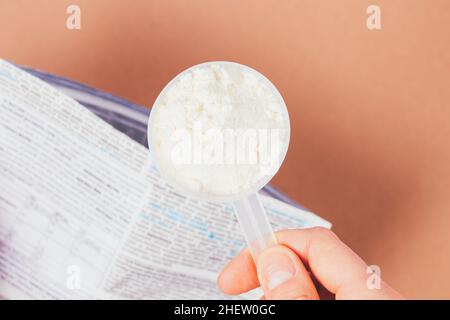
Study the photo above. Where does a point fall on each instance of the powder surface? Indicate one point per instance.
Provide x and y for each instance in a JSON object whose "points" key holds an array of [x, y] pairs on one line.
{"points": [[219, 130]]}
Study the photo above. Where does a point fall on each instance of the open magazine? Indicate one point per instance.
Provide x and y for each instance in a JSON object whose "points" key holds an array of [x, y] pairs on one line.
{"points": [[85, 215]]}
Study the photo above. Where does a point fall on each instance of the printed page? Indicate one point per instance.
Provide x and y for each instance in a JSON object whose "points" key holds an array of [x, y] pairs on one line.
{"points": [[178, 245], [69, 187], [84, 214]]}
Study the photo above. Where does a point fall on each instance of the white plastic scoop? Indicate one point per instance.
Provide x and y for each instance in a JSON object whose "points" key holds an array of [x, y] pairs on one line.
{"points": [[219, 131]]}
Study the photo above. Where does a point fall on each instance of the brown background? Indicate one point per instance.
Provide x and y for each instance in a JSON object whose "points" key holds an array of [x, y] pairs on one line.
{"points": [[370, 110]]}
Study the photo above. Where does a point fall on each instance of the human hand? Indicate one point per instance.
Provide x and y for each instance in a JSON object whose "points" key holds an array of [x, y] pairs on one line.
{"points": [[306, 264]]}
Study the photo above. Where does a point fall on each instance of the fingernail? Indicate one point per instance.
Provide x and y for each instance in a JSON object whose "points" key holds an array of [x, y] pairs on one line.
{"points": [[277, 268]]}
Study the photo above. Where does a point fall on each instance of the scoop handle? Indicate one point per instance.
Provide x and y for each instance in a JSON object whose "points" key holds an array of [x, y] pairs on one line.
{"points": [[255, 225]]}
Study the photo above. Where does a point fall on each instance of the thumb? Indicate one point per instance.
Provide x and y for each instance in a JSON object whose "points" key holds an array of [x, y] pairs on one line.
{"points": [[283, 276]]}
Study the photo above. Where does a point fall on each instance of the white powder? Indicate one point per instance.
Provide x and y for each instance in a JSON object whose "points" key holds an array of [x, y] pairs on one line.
{"points": [[219, 130]]}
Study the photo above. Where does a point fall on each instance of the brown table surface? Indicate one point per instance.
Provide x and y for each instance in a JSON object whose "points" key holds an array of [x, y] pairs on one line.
{"points": [[370, 110]]}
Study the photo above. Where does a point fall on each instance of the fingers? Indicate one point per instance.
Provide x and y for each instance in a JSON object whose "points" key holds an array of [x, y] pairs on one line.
{"points": [[283, 276], [334, 265], [340, 270], [239, 275], [318, 247]]}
